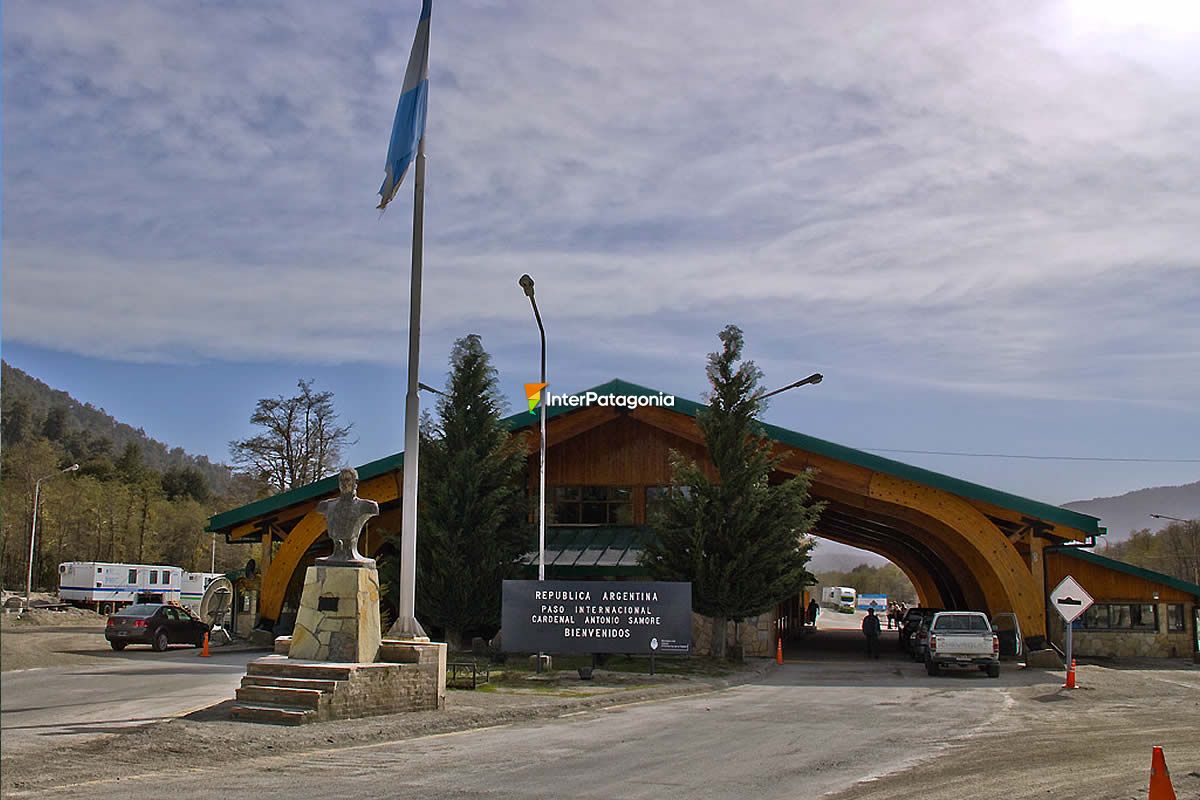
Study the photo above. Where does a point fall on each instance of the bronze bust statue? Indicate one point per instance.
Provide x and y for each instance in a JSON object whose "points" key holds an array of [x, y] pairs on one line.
{"points": [[345, 516]]}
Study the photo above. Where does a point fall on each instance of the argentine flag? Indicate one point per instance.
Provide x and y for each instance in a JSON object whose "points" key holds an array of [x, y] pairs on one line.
{"points": [[409, 125]]}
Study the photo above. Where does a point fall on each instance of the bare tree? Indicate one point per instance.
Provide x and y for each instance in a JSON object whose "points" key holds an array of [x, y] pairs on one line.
{"points": [[301, 441]]}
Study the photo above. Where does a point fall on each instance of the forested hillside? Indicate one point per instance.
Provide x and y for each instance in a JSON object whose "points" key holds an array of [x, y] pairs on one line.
{"points": [[27, 399], [132, 499]]}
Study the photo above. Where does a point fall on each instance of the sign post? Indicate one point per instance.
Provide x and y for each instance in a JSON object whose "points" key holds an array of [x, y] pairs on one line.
{"points": [[1070, 600], [643, 617]]}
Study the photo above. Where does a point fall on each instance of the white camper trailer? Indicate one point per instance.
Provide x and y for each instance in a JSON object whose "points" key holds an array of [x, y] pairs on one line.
{"points": [[106, 587]]}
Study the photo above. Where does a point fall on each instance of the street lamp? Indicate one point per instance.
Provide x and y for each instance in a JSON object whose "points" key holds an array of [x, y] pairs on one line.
{"points": [[1164, 516], [816, 377], [37, 496], [526, 283]]}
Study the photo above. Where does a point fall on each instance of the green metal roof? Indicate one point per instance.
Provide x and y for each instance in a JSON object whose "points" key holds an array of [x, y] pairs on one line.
{"points": [[1130, 569], [1033, 508], [592, 550]]}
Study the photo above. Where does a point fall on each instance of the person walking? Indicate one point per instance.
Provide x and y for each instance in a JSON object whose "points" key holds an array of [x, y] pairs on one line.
{"points": [[813, 610], [870, 628]]}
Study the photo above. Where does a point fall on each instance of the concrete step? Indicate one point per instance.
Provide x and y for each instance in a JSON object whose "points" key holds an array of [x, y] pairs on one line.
{"points": [[280, 695], [289, 683], [285, 668], [272, 714]]}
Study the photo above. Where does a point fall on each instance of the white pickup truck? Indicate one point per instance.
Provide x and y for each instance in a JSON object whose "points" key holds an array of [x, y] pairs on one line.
{"points": [[962, 639]]}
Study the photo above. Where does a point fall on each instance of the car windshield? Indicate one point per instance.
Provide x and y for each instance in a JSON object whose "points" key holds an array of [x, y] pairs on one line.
{"points": [[139, 610], [961, 622]]}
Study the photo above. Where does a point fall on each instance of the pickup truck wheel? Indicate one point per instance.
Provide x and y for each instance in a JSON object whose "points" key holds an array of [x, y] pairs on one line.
{"points": [[993, 671], [932, 668], [161, 641]]}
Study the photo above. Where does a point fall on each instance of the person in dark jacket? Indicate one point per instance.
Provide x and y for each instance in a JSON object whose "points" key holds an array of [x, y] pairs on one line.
{"points": [[813, 609], [870, 628]]}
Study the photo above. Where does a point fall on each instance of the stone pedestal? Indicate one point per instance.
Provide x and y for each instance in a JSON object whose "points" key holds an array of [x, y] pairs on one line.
{"points": [[339, 615]]}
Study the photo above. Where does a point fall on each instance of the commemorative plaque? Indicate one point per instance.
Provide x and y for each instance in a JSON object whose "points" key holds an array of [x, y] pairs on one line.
{"points": [[597, 617]]}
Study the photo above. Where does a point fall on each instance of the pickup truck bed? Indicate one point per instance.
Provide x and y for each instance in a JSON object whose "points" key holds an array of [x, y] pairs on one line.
{"points": [[962, 639]]}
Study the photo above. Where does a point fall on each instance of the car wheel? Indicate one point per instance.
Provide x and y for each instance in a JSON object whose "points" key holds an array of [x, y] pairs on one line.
{"points": [[993, 671], [117, 645], [932, 668], [161, 641]]}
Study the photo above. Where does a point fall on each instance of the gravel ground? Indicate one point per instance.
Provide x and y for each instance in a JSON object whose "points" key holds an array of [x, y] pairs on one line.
{"points": [[208, 737], [1094, 742], [51, 638]]}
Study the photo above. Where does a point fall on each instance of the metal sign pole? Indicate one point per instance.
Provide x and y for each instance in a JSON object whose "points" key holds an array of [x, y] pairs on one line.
{"points": [[1070, 625]]}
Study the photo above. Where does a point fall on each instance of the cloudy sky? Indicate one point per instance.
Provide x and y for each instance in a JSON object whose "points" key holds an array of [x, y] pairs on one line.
{"points": [[980, 224]]}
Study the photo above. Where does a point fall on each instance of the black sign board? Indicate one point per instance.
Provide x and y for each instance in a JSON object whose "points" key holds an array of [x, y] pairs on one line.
{"points": [[597, 617]]}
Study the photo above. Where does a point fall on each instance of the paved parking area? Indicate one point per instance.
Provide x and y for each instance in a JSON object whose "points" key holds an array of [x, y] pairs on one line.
{"points": [[51, 706]]}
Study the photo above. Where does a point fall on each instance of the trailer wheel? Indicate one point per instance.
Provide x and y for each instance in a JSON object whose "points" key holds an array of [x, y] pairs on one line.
{"points": [[118, 645], [161, 641]]}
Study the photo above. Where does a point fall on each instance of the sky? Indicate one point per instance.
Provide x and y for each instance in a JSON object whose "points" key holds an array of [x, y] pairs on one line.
{"points": [[978, 222]]}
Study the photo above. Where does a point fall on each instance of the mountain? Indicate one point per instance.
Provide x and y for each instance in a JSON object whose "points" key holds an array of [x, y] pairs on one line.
{"points": [[1129, 512], [17, 386]]}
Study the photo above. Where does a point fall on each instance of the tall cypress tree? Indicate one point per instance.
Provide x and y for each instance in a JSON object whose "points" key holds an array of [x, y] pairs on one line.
{"points": [[739, 539], [473, 523]]}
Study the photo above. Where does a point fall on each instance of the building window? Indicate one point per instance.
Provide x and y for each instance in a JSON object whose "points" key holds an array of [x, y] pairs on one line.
{"points": [[590, 505], [1121, 617], [132, 576], [657, 496], [153, 577], [1175, 617]]}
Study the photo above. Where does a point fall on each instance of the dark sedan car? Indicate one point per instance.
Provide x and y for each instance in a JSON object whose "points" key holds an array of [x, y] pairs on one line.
{"points": [[156, 624]]}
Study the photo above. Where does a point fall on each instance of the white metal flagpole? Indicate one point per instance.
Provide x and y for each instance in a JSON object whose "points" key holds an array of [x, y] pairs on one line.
{"points": [[406, 625]]}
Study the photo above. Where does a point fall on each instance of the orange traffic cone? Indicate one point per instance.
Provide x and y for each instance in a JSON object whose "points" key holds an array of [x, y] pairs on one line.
{"points": [[1160, 779], [204, 649], [779, 650], [1070, 684]]}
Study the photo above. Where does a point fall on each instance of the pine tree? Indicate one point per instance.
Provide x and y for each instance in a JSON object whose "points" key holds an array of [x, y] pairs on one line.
{"points": [[472, 515], [740, 539]]}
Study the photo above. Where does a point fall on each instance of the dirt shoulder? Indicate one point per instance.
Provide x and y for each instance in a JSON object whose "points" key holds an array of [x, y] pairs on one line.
{"points": [[51, 639], [1094, 742], [208, 738]]}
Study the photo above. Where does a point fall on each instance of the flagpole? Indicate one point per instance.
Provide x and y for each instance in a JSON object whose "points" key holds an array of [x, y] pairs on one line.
{"points": [[406, 625]]}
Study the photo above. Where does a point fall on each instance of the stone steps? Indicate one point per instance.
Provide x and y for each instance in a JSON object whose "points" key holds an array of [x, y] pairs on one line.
{"points": [[273, 714], [275, 666], [284, 696], [289, 683]]}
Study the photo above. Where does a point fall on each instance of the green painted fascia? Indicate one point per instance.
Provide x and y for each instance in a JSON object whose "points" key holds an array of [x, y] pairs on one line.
{"points": [[300, 494], [1130, 569], [522, 420]]}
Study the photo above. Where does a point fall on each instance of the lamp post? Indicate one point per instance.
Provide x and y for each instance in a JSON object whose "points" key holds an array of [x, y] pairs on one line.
{"points": [[816, 377], [527, 284], [37, 496], [1165, 516]]}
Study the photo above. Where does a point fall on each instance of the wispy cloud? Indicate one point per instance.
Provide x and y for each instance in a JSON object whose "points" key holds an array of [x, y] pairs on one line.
{"points": [[991, 200]]}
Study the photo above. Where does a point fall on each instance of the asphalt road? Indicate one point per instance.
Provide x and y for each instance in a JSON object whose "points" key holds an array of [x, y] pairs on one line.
{"points": [[809, 728], [54, 705]]}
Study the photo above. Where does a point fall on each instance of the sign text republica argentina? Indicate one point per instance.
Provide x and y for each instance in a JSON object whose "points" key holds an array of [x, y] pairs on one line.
{"points": [[597, 616], [613, 609]]}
